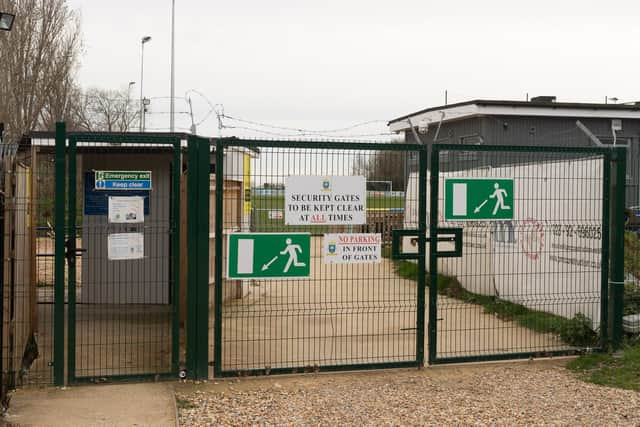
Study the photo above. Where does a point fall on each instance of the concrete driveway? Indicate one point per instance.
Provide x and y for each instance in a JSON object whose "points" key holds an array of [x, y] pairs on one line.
{"points": [[353, 314], [146, 404]]}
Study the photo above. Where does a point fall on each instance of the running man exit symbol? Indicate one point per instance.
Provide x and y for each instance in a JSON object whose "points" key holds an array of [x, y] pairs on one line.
{"points": [[499, 194], [268, 255], [292, 250], [474, 199]]}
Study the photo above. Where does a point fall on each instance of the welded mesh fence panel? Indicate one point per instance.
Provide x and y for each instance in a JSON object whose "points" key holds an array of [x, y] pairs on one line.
{"points": [[121, 313], [631, 319], [532, 281], [27, 192], [353, 308]]}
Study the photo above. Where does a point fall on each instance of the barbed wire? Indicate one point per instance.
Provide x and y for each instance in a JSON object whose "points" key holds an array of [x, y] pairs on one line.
{"points": [[166, 128], [212, 106], [310, 134], [254, 126], [337, 130], [167, 112], [125, 98], [218, 109]]}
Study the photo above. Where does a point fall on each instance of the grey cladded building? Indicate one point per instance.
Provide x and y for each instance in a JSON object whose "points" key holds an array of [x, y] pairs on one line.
{"points": [[540, 121]]}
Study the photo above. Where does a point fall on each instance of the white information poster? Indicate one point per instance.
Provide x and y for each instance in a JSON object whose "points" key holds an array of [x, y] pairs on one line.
{"points": [[352, 248], [323, 200], [123, 246], [126, 209]]}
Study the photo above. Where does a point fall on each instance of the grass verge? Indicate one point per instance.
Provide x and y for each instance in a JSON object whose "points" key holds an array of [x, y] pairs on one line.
{"points": [[575, 331], [621, 370]]}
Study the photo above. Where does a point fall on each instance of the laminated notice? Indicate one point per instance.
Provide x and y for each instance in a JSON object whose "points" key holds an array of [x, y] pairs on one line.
{"points": [[122, 246]]}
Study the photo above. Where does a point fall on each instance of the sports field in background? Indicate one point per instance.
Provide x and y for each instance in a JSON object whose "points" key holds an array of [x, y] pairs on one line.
{"points": [[268, 212]]}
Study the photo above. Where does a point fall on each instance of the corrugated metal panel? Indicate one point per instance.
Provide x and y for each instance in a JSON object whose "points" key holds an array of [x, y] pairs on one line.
{"points": [[530, 130]]}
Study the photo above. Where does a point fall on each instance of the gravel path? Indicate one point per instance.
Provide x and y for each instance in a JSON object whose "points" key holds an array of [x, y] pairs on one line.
{"points": [[540, 392]]}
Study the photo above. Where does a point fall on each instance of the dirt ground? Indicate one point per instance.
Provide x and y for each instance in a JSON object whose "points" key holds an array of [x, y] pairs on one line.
{"points": [[539, 392]]}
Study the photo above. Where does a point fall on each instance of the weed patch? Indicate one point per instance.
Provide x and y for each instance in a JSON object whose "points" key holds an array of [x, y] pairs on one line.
{"points": [[622, 370]]}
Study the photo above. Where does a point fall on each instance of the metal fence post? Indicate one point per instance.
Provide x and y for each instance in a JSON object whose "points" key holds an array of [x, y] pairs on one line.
{"points": [[192, 257], [616, 282], [202, 363], [176, 254], [71, 261], [604, 271], [198, 258], [422, 230], [218, 258], [3, 389], [433, 247], [58, 332]]}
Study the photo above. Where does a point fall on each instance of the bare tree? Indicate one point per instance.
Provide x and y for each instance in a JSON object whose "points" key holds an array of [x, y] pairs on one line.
{"points": [[61, 104], [382, 166], [105, 110], [38, 59], [388, 166]]}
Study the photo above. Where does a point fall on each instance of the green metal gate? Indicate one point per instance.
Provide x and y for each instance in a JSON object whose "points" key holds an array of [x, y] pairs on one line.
{"points": [[311, 256], [343, 310], [122, 268], [533, 278]]}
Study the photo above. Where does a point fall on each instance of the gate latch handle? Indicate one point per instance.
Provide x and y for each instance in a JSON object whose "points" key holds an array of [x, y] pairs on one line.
{"points": [[71, 252], [444, 234], [452, 234], [396, 244]]}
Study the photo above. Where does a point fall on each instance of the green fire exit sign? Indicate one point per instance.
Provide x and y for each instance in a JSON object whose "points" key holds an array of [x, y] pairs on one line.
{"points": [[478, 199], [268, 255]]}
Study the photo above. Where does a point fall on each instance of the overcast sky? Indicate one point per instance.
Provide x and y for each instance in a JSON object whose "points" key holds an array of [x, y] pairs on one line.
{"points": [[329, 64]]}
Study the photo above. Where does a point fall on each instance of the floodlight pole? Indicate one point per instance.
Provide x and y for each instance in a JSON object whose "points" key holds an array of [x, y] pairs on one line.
{"points": [[142, 107]]}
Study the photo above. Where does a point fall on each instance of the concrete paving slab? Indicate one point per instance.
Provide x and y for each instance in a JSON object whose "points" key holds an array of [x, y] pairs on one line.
{"points": [[146, 404]]}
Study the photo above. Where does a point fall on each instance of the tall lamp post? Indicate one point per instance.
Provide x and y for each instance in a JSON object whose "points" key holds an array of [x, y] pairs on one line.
{"points": [[144, 40], [6, 21]]}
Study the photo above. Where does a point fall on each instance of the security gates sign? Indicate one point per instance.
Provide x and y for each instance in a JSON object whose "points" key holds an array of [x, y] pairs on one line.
{"points": [[322, 200], [268, 255], [478, 199]]}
